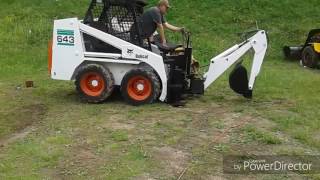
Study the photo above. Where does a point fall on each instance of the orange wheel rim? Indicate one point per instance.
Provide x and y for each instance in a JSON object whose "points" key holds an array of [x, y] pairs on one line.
{"points": [[92, 84], [139, 88]]}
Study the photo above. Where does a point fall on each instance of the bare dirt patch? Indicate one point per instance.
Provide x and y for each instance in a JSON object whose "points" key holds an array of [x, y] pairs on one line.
{"points": [[144, 176], [27, 115], [232, 122], [116, 125], [82, 162], [173, 161], [16, 136], [21, 122]]}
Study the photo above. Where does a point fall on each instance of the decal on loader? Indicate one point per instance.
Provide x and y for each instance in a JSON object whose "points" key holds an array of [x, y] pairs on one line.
{"points": [[65, 37]]}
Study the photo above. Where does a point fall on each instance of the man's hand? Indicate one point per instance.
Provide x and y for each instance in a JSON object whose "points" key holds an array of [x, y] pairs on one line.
{"points": [[182, 29]]}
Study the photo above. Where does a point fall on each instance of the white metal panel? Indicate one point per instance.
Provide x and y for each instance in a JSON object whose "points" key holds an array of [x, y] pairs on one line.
{"points": [[155, 49], [112, 60], [67, 49], [119, 70], [102, 55], [260, 45]]}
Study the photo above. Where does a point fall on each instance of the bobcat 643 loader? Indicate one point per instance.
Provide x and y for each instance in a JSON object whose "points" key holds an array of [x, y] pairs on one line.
{"points": [[105, 50]]}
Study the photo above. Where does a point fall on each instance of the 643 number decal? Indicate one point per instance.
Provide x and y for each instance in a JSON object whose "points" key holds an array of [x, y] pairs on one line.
{"points": [[65, 37]]}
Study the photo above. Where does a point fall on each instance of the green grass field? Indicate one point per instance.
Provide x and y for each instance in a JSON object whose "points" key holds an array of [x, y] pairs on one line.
{"points": [[46, 132]]}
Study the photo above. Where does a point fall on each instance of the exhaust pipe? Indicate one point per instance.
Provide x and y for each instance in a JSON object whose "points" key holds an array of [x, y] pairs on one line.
{"points": [[293, 53]]}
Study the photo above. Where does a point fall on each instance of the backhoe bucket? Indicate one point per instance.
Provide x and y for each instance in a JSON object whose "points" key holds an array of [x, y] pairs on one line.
{"points": [[238, 81]]}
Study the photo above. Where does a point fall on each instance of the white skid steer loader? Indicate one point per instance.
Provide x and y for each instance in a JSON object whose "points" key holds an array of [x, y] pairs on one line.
{"points": [[105, 50]]}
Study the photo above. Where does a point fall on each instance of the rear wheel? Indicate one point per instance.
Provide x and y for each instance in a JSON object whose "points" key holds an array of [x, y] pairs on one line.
{"points": [[310, 58], [140, 86], [94, 83]]}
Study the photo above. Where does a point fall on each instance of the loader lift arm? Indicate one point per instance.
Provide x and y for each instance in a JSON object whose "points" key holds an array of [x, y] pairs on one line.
{"points": [[238, 79]]}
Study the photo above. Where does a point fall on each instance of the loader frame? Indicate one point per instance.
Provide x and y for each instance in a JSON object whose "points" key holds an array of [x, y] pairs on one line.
{"points": [[130, 56]]}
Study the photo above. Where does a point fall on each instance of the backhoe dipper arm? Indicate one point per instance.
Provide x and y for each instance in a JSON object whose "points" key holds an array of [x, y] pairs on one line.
{"points": [[225, 60]]}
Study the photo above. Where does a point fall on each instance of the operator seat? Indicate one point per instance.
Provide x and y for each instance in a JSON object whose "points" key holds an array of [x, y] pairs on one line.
{"points": [[170, 48]]}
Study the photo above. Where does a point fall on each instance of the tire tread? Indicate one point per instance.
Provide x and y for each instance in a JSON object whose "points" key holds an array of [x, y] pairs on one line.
{"points": [[108, 78], [148, 72]]}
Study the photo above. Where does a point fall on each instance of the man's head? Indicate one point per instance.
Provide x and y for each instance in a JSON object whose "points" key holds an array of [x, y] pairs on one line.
{"points": [[163, 5]]}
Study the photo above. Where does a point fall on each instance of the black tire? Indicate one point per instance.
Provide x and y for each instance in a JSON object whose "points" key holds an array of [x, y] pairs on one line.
{"points": [[94, 73], [151, 85], [310, 58]]}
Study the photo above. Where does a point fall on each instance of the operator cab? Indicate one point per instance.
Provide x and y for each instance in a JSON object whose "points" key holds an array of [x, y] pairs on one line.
{"points": [[119, 18], [122, 19]]}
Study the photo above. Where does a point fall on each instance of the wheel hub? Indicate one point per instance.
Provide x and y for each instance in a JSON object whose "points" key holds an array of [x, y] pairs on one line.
{"points": [[140, 87], [94, 83]]}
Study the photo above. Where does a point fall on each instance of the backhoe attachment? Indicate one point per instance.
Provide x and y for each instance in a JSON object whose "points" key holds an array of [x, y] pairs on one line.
{"points": [[239, 80]]}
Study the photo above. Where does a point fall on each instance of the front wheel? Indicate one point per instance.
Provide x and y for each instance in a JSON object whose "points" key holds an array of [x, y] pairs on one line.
{"points": [[310, 58], [94, 83], [140, 86]]}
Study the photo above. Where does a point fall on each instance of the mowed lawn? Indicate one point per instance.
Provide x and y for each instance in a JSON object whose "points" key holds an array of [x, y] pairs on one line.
{"points": [[46, 132]]}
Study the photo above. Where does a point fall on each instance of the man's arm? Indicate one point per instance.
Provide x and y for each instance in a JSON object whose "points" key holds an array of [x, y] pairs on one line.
{"points": [[172, 27]]}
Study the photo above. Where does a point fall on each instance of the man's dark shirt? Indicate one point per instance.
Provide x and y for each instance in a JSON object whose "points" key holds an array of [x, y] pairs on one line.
{"points": [[150, 20]]}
